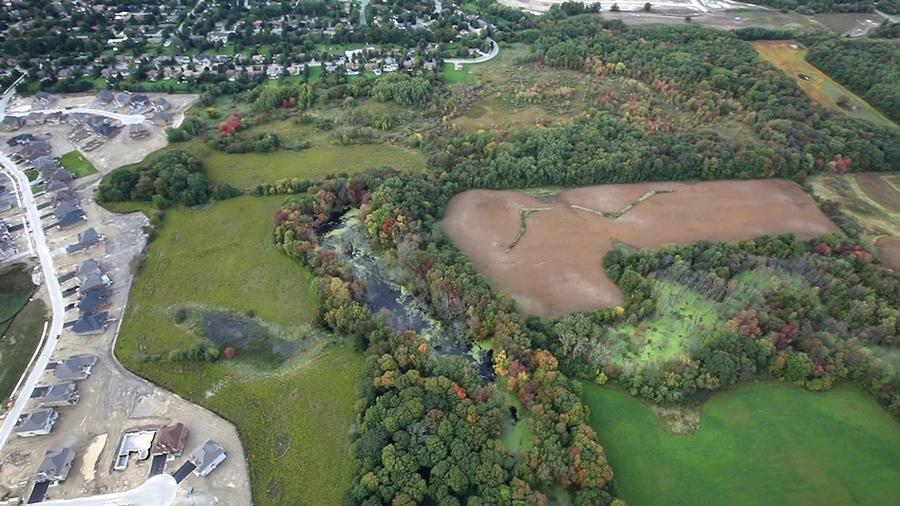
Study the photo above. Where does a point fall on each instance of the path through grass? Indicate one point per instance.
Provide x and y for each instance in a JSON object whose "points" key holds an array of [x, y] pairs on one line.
{"points": [[761, 444], [816, 83]]}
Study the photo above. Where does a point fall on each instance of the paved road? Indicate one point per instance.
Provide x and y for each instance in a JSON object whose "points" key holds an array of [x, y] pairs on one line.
{"points": [[159, 490], [56, 299], [495, 49]]}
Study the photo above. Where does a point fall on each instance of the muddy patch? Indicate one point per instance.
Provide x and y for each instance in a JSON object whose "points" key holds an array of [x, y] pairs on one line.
{"points": [[273, 490], [244, 336], [679, 420]]}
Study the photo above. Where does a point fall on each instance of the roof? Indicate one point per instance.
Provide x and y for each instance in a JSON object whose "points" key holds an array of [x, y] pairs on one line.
{"points": [[94, 299], [36, 420], [56, 185], [91, 281], [59, 392], [55, 466], [65, 207], [75, 216], [89, 322], [170, 439], [75, 367], [89, 266], [207, 456]]}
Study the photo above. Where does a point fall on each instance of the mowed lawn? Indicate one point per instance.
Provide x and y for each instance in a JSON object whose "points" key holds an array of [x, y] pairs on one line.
{"points": [[295, 429], [761, 444], [818, 86], [77, 164]]}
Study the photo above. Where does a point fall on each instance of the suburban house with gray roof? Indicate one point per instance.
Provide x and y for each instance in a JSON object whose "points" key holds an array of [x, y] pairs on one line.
{"points": [[55, 466], [76, 367], [86, 239], [91, 323], [60, 394], [36, 423], [207, 457]]}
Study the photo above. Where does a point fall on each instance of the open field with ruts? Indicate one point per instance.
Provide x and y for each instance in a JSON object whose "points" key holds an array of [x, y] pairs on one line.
{"points": [[547, 251], [868, 205], [791, 58]]}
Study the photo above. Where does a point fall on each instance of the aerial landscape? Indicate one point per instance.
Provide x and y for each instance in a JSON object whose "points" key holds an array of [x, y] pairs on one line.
{"points": [[449, 252]]}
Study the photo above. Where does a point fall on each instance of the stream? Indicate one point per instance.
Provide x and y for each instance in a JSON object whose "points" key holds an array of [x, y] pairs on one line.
{"points": [[386, 296]]}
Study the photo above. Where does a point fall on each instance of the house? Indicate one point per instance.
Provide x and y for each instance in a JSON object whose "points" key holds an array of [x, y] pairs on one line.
{"points": [[161, 104], [138, 131], [162, 118], [55, 466], [12, 123], [76, 367], [68, 214], [91, 323], [86, 239], [92, 281], [94, 300], [45, 162], [207, 457], [43, 99], [121, 99], [139, 101], [60, 194], [170, 440], [105, 97], [58, 186], [59, 394], [89, 266], [20, 140], [36, 423], [57, 175], [34, 149]]}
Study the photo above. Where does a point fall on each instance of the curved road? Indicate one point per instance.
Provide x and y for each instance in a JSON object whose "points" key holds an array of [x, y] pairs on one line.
{"points": [[495, 49], [20, 181], [159, 490]]}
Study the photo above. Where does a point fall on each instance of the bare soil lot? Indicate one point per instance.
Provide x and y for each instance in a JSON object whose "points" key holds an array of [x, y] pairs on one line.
{"points": [[547, 252], [877, 189]]}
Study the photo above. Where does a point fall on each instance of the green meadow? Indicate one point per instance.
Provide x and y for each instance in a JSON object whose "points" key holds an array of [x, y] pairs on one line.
{"points": [[756, 445]]}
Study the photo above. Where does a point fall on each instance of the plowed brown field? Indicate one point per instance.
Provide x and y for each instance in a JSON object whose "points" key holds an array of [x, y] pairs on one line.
{"points": [[556, 265]]}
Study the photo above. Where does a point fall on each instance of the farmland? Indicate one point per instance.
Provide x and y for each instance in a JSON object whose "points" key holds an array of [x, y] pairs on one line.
{"points": [[763, 444], [821, 88], [561, 239]]}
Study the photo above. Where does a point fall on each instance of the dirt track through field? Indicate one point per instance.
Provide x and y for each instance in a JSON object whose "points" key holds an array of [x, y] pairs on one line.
{"points": [[556, 265]]}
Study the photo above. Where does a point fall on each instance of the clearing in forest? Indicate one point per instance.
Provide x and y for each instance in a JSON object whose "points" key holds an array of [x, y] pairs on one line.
{"points": [[790, 57], [868, 204], [547, 252]]}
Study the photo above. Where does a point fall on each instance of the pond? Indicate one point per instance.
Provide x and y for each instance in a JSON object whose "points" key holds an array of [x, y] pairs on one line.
{"points": [[386, 296]]}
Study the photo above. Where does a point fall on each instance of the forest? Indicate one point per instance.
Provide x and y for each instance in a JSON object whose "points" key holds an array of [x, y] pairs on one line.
{"points": [[868, 67], [811, 313]]}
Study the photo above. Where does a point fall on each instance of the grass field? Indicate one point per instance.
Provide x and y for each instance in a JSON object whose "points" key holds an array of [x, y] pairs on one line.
{"points": [[451, 75], [294, 418], [20, 324], [17, 343], [821, 88], [77, 164], [220, 255], [295, 429], [761, 444], [249, 169]]}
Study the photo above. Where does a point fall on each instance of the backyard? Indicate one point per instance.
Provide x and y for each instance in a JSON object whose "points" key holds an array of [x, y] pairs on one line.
{"points": [[77, 164]]}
